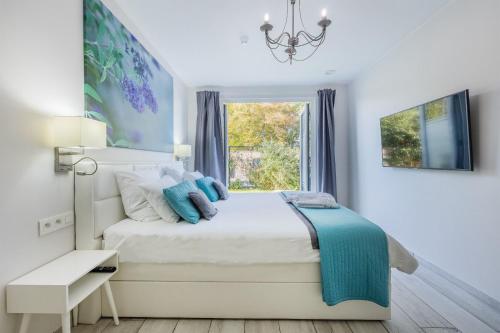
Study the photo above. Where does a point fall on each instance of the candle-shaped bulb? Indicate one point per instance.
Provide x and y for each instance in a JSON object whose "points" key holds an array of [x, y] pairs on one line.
{"points": [[323, 13], [266, 18]]}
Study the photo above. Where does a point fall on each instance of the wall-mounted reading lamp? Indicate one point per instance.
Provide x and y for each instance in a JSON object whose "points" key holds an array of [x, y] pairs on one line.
{"points": [[71, 136], [182, 153]]}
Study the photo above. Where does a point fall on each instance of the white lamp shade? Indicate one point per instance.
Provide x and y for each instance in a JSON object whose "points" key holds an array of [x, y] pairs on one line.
{"points": [[79, 132], [182, 150]]}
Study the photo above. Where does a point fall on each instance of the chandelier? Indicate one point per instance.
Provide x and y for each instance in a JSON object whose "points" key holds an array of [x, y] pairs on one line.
{"points": [[289, 42]]}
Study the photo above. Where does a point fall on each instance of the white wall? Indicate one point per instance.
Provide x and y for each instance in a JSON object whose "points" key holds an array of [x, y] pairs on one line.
{"points": [[41, 74], [448, 218], [306, 93]]}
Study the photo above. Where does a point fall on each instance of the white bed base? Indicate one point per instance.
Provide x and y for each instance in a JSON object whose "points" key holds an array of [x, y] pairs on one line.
{"points": [[285, 291]]}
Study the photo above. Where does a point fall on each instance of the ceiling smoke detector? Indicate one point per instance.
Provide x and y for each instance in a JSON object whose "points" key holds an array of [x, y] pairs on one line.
{"points": [[244, 39]]}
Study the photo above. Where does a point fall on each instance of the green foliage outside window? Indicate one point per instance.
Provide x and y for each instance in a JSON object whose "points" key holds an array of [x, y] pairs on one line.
{"points": [[278, 168], [264, 146], [252, 124]]}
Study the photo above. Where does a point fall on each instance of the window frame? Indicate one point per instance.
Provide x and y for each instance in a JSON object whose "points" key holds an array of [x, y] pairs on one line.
{"points": [[310, 99]]}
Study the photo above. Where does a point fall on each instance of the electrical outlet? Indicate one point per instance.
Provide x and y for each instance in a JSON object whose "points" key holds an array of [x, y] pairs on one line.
{"points": [[54, 223]]}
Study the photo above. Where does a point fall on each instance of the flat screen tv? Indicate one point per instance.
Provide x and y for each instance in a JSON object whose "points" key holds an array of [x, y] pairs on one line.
{"points": [[434, 135]]}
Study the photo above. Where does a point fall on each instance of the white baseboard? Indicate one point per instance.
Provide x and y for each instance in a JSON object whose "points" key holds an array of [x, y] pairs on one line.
{"points": [[477, 303]]}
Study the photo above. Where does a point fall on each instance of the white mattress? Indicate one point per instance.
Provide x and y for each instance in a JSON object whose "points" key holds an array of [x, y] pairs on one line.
{"points": [[250, 228]]}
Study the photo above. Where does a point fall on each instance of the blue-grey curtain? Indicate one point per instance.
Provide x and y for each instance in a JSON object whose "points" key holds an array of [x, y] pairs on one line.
{"points": [[209, 156], [327, 180]]}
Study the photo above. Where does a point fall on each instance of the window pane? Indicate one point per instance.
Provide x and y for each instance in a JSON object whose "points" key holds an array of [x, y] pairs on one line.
{"points": [[264, 146]]}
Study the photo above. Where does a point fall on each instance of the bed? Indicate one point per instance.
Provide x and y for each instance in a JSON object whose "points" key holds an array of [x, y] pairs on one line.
{"points": [[256, 259]]}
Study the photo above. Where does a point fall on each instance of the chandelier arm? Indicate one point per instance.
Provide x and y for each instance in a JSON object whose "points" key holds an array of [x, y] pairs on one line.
{"points": [[316, 44], [272, 46], [277, 45], [304, 36], [308, 42], [311, 37], [312, 42], [277, 41], [309, 56]]}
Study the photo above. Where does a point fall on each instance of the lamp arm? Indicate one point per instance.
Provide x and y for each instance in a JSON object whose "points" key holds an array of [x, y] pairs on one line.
{"points": [[84, 173]]}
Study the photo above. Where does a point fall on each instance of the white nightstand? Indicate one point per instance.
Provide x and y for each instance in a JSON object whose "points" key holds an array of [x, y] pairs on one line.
{"points": [[59, 286]]}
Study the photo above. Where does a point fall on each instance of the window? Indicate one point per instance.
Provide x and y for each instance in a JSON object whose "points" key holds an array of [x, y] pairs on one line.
{"points": [[268, 146]]}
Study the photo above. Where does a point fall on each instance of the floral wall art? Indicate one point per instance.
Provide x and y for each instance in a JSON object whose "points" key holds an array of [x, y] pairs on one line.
{"points": [[125, 86]]}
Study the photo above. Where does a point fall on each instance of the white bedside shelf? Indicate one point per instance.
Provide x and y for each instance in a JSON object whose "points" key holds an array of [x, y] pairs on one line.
{"points": [[79, 290], [59, 286]]}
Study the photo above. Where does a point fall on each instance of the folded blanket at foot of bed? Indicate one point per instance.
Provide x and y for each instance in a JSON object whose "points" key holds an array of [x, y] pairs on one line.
{"points": [[311, 199], [354, 256]]}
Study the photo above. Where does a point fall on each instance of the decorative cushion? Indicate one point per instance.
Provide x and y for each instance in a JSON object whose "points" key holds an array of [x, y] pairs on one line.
{"points": [[221, 189], [192, 176], [178, 198], [153, 192], [204, 206], [168, 181], [175, 171], [135, 204], [206, 185]]}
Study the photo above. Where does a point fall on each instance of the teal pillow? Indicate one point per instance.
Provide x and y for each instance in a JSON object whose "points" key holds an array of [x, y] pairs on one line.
{"points": [[206, 184], [178, 198]]}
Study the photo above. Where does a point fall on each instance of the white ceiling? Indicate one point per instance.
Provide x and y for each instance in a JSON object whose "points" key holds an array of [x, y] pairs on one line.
{"points": [[201, 39]]}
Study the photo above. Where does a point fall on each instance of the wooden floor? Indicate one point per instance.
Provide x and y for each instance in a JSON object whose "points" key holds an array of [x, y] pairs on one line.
{"points": [[420, 303]]}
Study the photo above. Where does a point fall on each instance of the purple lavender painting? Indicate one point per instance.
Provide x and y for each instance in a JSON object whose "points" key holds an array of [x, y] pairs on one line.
{"points": [[125, 86]]}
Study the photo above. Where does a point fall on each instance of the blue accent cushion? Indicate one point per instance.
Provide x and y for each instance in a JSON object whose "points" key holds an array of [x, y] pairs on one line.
{"points": [[206, 184], [178, 198]]}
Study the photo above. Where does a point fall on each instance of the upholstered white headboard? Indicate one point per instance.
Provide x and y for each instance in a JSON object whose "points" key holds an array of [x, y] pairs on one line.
{"points": [[98, 203]]}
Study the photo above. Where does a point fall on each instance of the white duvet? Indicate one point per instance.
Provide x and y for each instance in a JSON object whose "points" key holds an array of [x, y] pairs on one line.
{"points": [[249, 228]]}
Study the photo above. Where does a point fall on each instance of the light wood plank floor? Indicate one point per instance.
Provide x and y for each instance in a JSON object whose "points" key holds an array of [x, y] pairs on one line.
{"points": [[418, 306]]}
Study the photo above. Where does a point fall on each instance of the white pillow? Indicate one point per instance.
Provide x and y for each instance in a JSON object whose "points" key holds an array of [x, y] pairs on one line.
{"points": [[147, 171], [175, 171], [153, 191], [192, 176], [134, 201]]}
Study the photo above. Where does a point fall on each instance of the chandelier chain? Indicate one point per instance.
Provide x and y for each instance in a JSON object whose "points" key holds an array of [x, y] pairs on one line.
{"points": [[300, 14]]}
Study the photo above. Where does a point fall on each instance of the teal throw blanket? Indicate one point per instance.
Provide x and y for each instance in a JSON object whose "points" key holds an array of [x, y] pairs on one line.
{"points": [[354, 256]]}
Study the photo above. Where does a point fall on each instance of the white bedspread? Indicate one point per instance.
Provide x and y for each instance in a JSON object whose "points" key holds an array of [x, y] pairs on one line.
{"points": [[249, 228]]}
